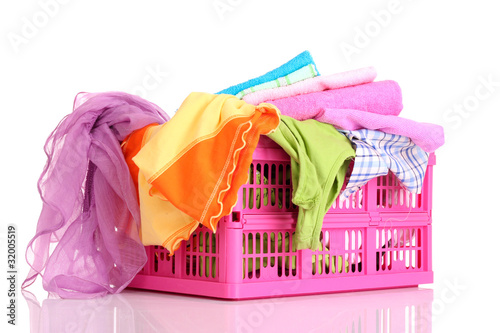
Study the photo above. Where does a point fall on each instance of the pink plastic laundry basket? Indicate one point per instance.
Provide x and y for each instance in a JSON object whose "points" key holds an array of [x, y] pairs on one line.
{"points": [[380, 237]]}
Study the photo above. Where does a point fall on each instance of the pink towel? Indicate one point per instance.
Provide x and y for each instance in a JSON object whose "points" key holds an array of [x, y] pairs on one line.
{"points": [[427, 136], [319, 83], [383, 97]]}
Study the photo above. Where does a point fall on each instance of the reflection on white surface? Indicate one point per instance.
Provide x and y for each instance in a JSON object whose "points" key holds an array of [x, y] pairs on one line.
{"points": [[396, 310]]}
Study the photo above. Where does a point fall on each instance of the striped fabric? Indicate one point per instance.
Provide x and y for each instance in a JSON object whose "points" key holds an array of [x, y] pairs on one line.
{"points": [[378, 152], [290, 66], [306, 72]]}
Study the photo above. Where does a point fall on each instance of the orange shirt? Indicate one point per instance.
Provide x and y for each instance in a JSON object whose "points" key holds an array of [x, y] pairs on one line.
{"points": [[189, 170]]}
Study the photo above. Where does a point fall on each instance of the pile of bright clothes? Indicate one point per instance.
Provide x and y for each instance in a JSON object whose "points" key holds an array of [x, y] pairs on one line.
{"points": [[121, 174]]}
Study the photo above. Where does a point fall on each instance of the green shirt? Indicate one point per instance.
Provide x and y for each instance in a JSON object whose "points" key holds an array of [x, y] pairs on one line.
{"points": [[320, 157]]}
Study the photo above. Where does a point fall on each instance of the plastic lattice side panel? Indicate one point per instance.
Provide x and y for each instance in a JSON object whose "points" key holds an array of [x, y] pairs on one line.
{"points": [[380, 237]]}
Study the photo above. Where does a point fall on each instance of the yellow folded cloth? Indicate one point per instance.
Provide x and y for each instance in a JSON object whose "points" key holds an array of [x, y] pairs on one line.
{"points": [[189, 170]]}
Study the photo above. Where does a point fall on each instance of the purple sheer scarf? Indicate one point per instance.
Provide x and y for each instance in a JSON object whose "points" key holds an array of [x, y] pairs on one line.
{"points": [[87, 240]]}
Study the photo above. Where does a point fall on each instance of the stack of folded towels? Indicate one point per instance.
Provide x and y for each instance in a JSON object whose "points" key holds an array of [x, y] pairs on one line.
{"points": [[121, 174], [365, 112]]}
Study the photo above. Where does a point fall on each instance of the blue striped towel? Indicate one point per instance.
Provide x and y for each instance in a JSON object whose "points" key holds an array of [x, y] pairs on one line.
{"points": [[291, 66]]}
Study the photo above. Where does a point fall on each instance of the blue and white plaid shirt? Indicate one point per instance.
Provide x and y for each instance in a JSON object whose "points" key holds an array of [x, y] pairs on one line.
{"points": [[378, 152]]}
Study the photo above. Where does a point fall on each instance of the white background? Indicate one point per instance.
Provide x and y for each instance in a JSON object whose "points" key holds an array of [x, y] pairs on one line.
{"points": [[440, 52]]}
